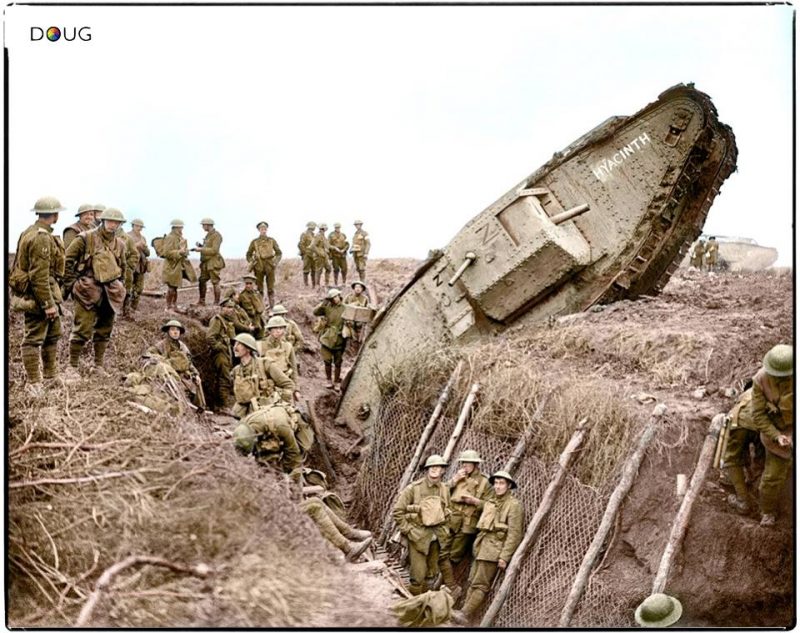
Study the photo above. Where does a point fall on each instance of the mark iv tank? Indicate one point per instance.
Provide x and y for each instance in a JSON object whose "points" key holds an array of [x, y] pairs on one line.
{"points": [[609, 217]]}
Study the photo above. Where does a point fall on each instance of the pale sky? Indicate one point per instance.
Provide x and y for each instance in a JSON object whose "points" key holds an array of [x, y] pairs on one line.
{"points": [[413, 119]]}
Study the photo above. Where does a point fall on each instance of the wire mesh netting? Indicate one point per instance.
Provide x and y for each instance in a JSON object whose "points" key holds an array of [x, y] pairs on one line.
{"points": [[549, 569]]}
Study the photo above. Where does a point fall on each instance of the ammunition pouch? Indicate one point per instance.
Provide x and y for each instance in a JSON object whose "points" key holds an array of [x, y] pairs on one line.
{"points": [[432, 511], [179, 362], [104, 266], [23, 304], [19, 281], [244, 389], [487, 519]]}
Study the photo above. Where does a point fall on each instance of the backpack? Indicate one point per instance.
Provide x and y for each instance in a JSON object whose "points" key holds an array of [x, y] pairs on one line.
{"points": [[158, 245]]}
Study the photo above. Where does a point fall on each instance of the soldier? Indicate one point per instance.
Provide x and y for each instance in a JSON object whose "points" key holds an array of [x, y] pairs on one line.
{"points": [[337, 247], [268, 435], [336, 530], [35, 277], [765, 410], [712, 253], [469, 490], [356, 298], [211, 261], [131, 261], [277, 349], [263, 256], [500, 532], [293, 333], [241, 320], [332, 343], [139, 272], [96, 264], [220, 335], [697, 254], [421, 515], [256, 383], [304, 246], [86, 222], [360, 250], [252, 303], [98, 209], [319, 248], [177, 266], [175, 352]]}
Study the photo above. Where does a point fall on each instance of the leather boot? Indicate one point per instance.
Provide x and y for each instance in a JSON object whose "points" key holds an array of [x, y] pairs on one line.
{"points": [[174, 292], [217, 294], [305, 279], [472, 602], [99, 353], [49, 364], [416, 590], [30, 360], [736, 477], [75, 350], [271, 298], [446, 567], [356, 549], [328, 369], [335, 277], [344, 279], [314, 279], [327, 278], [337, 378], [201, 290]]}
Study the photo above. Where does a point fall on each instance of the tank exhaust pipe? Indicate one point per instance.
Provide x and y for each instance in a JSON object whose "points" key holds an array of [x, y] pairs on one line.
{"points": [[569, 214], [468, 259]]}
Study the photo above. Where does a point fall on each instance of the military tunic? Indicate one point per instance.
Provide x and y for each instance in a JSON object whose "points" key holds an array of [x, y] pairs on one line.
{"points": [[281, 352], [697, 254], [241, 320], [211, 261], [319, 248], [140, 270], [177, 266], [304, 246], [463, 516], [360, 251], [264, 255], [253, 305], [277, 440], [220, 335], [357, 327], [261, 381], [331, 337], [39, 268], [73, 231], [180, 359], [712, 254], [424, 542], [337, 246], [294, 335]]}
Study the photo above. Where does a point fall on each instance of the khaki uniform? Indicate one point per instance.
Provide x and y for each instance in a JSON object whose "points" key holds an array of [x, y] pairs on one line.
{"points": [[497, 540], [277, 442], [241, 320], [309, 265], [177, 266], [96, 265], [140, 270], [337, 247], [356, 327], [334, 528], [131, 260], [35, 276], [319, 250], [73, 231], [332, 343], [697, 255], [211, 263], [180, 359], [463, 516], [255, 384], [281, 353], [360, 251], [424, 541], [264, 255], [253, 304], [294, 335], [712, 254], [220, 334], [763, 412]]}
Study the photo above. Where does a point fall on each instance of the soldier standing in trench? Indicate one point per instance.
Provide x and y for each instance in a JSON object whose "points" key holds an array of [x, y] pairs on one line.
{"points": [[211, 261], [139, 272], [35, 277], [221, 333], [332, 343], [177, 266]]}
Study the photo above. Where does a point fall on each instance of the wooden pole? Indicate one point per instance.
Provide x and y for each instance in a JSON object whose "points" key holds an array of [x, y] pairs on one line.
{"points": [[430, 427], [519, 449], [323, 447], [568, 456], [462, 420], [629, 472], [681, 521]]}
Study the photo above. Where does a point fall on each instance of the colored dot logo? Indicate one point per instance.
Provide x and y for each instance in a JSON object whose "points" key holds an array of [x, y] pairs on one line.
{"points": [[53, 33]]}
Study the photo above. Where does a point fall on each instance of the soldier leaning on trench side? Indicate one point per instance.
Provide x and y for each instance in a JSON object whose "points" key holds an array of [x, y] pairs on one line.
{"points": [[220, 336], [256, 381], [421, 513], [175, 352], [764, 413]]}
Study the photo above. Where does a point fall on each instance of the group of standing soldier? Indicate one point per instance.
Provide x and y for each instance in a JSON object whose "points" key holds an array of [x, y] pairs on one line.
{"points": [[470, 516], [704, 255], [323, 252]]}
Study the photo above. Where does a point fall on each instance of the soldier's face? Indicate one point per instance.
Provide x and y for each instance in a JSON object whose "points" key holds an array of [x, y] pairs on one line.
{"points": [[178, 230], [262, 231], [207, 227], [500, 486], [277, 332], [435, 472], [468, 467], [249, 285], [111, 225], [239, 350], [174, 333], [357, 289], [337, 300], [87, 219]]}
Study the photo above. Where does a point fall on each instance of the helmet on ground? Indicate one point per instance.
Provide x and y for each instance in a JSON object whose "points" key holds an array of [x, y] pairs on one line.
{"points": [[779, 361], [658, 611], [47, 206], [247, 340], [435, 460], [333, 292], [173, 323], [311, 225], [176, 224], [279, 309], [275, 322], [266, 224], [207, 221], [470, 456], [244, 438], [337, 225], [323, 227], [504, 474], [248, 277], [137, 222], [112, 214], [357, 223], [358, 283], [85, 208]]}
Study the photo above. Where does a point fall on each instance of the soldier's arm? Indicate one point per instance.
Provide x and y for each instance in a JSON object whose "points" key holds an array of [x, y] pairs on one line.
{"points": [[278, 252], [132, 253], [319, 310], [69, 236], [299, 342], [39, 255], [214, 336], [293, 364], [281, 380], [212, 247], [514, 533], [300, 248], [73, 256], [291, 451], [365, 250], [758, 409], [401, 508], [144, 248]]}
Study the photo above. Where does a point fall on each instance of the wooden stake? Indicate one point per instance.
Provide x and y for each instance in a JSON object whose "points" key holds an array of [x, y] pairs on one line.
{"points": [[323, 447], [462, 420], [681, 521], [430, 427], [615, 501]]}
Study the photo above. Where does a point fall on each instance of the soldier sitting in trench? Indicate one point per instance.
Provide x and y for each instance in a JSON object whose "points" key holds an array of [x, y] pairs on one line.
{"points": [[172, 350]]}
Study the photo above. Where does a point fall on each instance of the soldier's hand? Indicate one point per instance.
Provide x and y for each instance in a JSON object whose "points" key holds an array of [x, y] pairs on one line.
{"points": [[473, 501], [296, 396], [51, 312], [501, 564], [784, 440]]}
